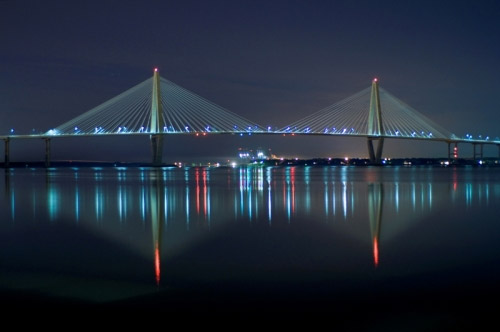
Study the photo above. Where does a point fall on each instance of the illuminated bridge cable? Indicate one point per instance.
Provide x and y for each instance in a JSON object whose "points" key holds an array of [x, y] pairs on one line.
{"points": [[130, 113], [350, 117]]}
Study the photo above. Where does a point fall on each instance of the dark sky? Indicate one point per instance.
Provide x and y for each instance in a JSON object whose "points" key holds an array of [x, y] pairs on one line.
{"points": [[273, 62]]}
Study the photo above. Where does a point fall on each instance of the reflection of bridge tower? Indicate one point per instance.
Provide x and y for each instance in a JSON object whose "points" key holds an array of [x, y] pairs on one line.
{"points": [[375, 128], [375, 209], [156, 121], [157, 219]]}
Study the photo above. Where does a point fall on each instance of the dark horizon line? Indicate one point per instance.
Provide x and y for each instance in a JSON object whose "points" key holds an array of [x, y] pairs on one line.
{"points": [[410, 161]]}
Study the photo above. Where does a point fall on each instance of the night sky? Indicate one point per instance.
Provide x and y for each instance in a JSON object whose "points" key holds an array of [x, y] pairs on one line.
{"points": [[272, 62]]}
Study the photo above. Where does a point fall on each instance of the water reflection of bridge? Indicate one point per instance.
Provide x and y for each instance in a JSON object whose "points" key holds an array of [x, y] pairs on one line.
{"points": [[168, 200]]}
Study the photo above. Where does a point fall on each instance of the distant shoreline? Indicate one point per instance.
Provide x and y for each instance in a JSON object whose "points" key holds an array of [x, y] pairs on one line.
{"points": [[275, 162]]}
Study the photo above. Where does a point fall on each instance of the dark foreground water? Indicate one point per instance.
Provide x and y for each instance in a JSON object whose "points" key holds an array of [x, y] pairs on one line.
{"points": [[361, 247]]}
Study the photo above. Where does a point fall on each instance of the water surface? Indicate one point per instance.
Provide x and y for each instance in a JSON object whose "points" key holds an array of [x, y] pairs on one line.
{"points": [[321, 235]]}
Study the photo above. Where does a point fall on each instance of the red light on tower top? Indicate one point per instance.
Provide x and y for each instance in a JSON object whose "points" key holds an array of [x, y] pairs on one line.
{"points": [[156, 69], [375, 80]]}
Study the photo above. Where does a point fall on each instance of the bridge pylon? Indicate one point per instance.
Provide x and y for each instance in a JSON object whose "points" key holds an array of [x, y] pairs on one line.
{"points": [[375, 126], [156, 121], [47, 152]]}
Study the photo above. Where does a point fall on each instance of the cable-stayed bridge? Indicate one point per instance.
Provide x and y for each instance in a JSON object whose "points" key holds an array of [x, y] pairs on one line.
{"points": [[158, 107]]}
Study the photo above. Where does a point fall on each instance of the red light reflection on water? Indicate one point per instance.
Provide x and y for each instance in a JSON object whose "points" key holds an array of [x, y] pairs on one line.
{"points": [[157, 265], [197, 177], [204, 192]]}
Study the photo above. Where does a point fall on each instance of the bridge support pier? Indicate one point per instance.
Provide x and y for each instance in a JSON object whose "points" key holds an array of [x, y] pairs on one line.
{"points": [[479, 153], [47, 152], [157, 149], [6, 162], [375, 156]]}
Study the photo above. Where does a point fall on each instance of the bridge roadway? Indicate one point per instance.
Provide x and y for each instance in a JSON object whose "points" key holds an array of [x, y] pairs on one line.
{"points": [[477, 154]]}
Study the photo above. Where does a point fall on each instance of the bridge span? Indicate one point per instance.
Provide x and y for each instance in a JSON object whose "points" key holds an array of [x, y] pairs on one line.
{"points": [[158, 107]]}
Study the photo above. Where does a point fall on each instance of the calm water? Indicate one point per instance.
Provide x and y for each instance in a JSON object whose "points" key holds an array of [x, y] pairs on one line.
{"points": [[108, 234]]}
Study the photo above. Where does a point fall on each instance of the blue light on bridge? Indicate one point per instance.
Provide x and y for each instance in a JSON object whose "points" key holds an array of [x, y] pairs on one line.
{"points": [[12, 131], [187, 129]]}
